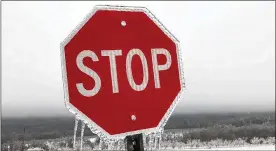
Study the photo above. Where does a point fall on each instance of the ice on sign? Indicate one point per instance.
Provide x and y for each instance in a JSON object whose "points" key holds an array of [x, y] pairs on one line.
{"points": [[118, 65]]}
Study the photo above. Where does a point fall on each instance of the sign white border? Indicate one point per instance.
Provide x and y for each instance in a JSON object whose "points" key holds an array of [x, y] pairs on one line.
{"points": [[92, 125]]}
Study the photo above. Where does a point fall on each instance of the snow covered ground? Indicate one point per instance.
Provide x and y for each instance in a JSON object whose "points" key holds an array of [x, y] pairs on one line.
{"points": [[35, 149], [261, 147], [257, 147]]}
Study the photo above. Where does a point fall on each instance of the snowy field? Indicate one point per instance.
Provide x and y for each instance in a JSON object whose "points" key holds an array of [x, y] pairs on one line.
{"points": [[154, 145], [257, 147]]}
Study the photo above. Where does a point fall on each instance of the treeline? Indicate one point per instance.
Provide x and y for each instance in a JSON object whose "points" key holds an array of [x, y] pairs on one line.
{"points": [[224, 132], [39, 128], [217, 135], [208, 120], [51, 128]]}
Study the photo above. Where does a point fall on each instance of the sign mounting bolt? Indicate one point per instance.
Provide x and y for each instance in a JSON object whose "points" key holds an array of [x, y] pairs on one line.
{"points": [[123, 23], [133, 117]]}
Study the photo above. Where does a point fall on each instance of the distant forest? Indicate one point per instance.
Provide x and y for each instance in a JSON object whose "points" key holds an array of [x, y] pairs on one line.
{"points": [[257, 124], [207, 120]]}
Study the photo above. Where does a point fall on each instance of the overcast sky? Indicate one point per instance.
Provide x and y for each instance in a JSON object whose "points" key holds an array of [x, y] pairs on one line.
{"points": [[228, 50]]}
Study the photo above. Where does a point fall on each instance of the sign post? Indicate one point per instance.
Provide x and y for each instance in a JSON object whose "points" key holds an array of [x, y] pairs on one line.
{"points": [[134, 143], [122, 72]]}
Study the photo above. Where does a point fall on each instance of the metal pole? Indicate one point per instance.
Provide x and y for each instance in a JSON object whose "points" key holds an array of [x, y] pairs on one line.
{"points": [[134, 143]]}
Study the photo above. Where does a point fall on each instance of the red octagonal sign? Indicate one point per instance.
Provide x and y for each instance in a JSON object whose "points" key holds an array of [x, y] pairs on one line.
{"points": [[121, 71]]}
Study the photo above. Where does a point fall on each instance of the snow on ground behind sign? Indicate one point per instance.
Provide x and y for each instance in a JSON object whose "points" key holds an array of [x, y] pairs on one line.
{"points": [[261, 147], [257, 147]]}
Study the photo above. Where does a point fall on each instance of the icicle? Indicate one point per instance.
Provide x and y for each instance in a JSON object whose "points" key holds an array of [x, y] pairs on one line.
{"points": [[125, 144], [150, 141], [158, 144], [114, 145], [159, 136], [121, 147], [75, 131], [82, 132], [110, 145], [160, 139], [120, 144], [100, 144], [145, 141], [155, 141]]}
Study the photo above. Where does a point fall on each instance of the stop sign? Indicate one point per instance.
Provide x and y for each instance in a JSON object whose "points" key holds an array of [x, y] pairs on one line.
{"points": [[121, 71]]}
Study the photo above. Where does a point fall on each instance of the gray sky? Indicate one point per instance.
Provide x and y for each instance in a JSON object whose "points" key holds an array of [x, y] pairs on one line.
{"points": [[228, 50]]}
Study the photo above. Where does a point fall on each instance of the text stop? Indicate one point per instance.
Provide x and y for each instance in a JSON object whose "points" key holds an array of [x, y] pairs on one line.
{"points": [[112, 54]]}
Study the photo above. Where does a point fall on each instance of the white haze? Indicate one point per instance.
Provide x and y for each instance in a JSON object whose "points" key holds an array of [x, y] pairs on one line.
{"points": [[228, 49]]}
